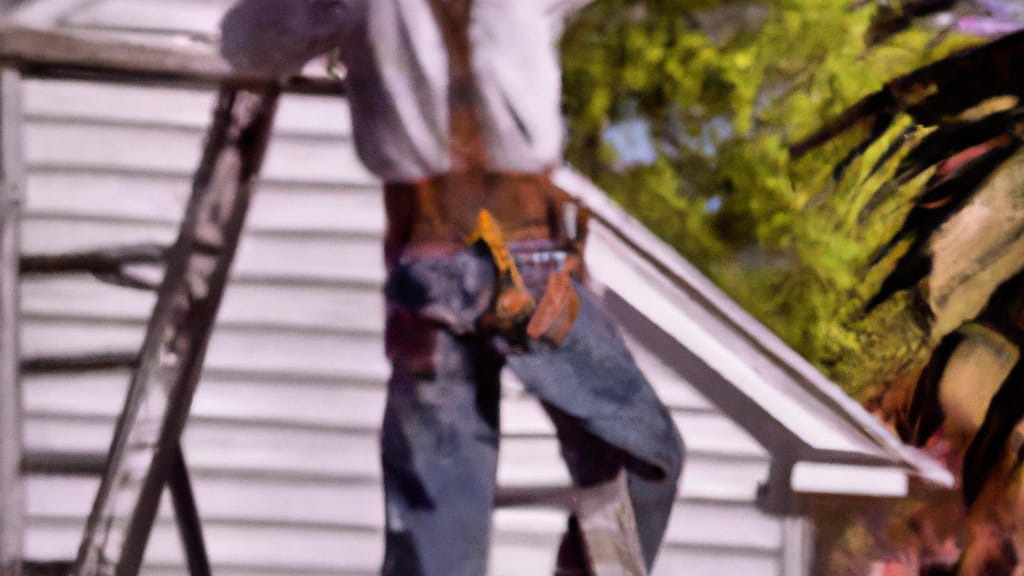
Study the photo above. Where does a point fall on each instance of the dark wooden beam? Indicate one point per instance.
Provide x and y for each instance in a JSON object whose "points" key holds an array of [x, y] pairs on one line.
{"points": [[112, 265], [63, 464], [99, 362], [63, 54], [100, 262], [160, 396], [47, 568], [11, 178]]}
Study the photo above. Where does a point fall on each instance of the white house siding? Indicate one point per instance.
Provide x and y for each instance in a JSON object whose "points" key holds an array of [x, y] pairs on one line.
{"points": [[283, 435]]}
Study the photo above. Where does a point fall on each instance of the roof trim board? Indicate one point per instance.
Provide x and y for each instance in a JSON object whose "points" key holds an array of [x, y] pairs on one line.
{"points": [[849, 480], [774, 367], [639, 287]]}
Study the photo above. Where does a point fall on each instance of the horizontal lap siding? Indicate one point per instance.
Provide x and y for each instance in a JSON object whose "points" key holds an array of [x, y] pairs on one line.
{"points": [[193, 16], [283, 438]]}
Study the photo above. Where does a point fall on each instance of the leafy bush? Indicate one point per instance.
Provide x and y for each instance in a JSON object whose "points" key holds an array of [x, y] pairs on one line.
{"points": [[683, 110]]}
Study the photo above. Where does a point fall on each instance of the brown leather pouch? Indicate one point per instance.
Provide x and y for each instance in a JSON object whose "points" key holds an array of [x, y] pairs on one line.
{"points": [[557, 311]]}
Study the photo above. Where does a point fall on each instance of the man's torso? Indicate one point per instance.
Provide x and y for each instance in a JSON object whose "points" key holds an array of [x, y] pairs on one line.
{"points": [[398, 81]]}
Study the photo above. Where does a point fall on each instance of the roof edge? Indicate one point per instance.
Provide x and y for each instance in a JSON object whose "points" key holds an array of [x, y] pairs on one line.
{"points": [[688, 278]]}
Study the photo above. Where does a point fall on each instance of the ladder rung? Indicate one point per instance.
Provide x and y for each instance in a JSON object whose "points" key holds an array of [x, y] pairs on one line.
{"points": [[100, 262], [47, 568], [64, 463], [126, 279], [86, 363]]}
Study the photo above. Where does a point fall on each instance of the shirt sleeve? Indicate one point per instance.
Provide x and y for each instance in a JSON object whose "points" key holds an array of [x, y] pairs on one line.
{"points": [[279, 36]]}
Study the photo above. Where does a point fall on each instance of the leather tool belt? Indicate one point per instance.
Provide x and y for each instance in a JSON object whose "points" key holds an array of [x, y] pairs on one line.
{"points": [[444, 210], [517, 220]]}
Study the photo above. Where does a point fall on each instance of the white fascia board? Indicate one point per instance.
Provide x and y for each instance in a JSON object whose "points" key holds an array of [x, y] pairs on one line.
{"points": [[610, 264], [849, 480]]}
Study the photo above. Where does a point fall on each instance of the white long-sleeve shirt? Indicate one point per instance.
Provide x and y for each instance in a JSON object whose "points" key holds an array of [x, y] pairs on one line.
{"points": [[397, 74]]}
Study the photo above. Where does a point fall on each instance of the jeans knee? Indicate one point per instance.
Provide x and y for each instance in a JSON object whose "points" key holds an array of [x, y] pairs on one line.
{"points": [[675, 460]]}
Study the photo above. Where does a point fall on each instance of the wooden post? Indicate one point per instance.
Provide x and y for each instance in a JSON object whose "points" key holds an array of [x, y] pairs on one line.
{"points": [[11, 505], [147, 436]]}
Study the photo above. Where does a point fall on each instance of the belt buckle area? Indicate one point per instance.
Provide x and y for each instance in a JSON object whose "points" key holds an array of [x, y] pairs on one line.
{"points": [[537, 265], [554, 257]]}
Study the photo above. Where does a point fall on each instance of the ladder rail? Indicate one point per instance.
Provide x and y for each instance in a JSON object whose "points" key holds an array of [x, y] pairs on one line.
{"points": [[190, 526], [53, 54], [108, 536], [170, 362]]}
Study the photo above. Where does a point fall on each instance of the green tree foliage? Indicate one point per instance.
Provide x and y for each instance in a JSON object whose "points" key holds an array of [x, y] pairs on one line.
{"points": [[720, 90]]}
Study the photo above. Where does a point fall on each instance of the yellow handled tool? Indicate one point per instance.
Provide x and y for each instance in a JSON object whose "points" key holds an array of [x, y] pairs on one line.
{"points": [[514, 304]]}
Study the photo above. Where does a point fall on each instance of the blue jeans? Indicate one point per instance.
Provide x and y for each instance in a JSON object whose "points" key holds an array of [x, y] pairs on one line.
{"points": [[441, 429]]}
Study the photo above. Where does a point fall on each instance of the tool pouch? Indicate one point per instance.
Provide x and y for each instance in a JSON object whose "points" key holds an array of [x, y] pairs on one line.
{"points": [[513, 304], [512, 309], [557, 311], [481, 287], [516, 314]]}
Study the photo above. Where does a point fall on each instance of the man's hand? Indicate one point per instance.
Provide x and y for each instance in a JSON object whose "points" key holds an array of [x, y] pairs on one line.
{"points": [[277, 37]]}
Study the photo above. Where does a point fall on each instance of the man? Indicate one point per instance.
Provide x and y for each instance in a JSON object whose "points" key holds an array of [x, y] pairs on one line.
{"points": [[455, 105]]}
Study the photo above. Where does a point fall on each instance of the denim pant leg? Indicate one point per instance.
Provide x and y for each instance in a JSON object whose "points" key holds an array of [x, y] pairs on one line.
{"points": [[440, 451], [608, 417], [592, 461]]}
